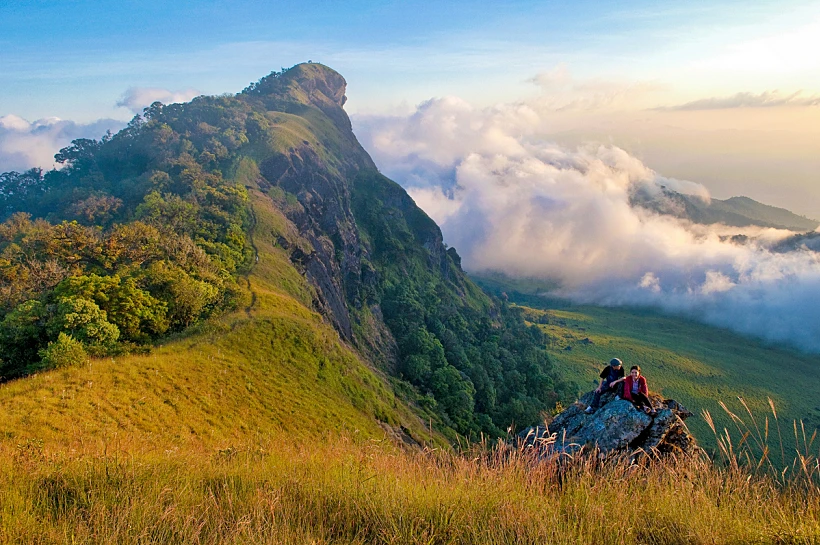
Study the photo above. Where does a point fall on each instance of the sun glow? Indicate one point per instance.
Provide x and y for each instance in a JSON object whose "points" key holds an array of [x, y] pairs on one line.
{"points": [[789, 52]]}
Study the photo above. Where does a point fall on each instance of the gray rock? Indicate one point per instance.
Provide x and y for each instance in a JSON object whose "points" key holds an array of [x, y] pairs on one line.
{"points": [[617, 426]]}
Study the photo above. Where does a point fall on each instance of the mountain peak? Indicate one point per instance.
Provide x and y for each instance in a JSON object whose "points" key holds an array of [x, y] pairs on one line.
{"points": [[314, 77], [307, 83], [738, 211]]}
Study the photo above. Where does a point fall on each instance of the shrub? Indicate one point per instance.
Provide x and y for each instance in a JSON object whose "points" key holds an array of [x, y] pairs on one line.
{"points": [[63, 352]]}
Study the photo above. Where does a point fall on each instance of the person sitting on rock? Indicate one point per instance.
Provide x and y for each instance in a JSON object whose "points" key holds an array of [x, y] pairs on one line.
{"points": [[636, 391], [609, 376]]}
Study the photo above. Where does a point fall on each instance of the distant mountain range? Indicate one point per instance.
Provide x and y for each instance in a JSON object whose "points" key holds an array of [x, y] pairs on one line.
{"points": [[734, 212]]}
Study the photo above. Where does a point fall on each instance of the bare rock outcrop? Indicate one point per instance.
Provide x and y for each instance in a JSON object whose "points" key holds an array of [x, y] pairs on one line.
{"points": [[617, 426]]}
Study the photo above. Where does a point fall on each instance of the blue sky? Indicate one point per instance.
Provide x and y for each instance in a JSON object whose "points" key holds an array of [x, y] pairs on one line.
{"points": [[602, 67], [76, 58]]}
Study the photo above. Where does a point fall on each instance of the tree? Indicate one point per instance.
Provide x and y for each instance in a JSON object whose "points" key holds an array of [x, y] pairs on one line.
{"points": [[79, 154], [97, 209], [136, 313], [187, 298], [85, 321], [22, 334], [455, 393]]}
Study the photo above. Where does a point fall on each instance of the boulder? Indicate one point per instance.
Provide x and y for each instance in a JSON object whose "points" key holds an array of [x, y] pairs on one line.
{"points": [[617, 426]]}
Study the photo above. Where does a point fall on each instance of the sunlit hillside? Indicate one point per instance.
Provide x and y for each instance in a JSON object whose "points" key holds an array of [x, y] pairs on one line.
{"points": [[272, 368], [698, 365], [224, 325]]}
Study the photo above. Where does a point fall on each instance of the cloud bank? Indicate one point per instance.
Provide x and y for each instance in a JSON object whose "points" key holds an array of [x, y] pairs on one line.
{"points": [[766, 99], [25, 144], [562, 92], [137, 98], [510, 201]]}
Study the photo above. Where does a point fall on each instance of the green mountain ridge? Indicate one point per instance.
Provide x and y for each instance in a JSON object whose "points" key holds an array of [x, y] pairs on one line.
{"points": [[196, 211], [158, 228]]}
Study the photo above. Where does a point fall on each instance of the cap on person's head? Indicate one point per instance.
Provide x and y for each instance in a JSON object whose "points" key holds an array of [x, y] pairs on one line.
{"points": [[615, 362]]}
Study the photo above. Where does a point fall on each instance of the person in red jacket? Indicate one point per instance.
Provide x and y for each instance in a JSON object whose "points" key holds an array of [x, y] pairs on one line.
{"points": [[636, 391]]}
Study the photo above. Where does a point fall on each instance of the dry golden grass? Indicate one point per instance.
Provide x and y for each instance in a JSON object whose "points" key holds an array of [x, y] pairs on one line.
{"points": [[342, 490]]}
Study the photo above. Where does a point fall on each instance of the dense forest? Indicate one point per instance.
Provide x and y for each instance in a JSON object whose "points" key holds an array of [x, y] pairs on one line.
{"points": [[136, 235], [145, 232]]}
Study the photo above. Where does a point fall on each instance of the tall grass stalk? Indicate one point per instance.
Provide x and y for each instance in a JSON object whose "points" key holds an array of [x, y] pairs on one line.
{"points": [[753, 457]]}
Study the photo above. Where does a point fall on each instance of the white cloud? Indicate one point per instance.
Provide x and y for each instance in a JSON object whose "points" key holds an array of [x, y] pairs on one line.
{"points": [[137, 98], [766, 99], [559, 78], [650, 282], [433, 201], [14, 123], [510, 201], [24, 145], [561, 92]]}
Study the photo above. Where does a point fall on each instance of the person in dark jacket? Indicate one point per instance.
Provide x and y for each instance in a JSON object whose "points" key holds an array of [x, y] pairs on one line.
{"points": [[636, 390], [610, 375]]}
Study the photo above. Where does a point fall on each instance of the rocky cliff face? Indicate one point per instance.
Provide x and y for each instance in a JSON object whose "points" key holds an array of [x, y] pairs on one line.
{"points": [[323, 175], [616, 427], [323, 216]]}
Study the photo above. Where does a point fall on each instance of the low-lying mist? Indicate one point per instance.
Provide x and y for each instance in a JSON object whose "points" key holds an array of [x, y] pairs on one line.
{"points": [[510, 201]]}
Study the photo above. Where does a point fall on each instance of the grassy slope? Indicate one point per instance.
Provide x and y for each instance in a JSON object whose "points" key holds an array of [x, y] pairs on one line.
{"points": [[273, 367], [698, 365]]}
